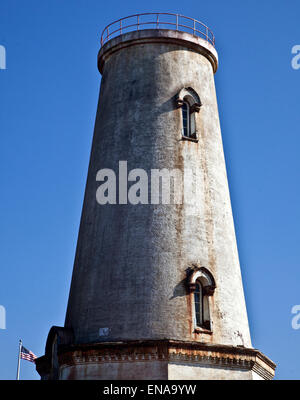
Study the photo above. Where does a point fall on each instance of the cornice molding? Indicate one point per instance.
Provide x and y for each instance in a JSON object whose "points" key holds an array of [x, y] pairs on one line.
{"points": [[166, 36], [172, 351]]}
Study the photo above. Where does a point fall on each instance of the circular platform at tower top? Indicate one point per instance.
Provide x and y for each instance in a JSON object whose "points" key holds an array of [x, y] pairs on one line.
{"points": [[157, 27]]}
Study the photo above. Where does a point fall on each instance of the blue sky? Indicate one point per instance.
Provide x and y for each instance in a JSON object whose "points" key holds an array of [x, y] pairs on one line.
{"points": [[48, 100]]}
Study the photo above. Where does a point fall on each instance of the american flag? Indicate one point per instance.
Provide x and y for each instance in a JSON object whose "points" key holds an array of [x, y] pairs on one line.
{"points": [[27, 354]]}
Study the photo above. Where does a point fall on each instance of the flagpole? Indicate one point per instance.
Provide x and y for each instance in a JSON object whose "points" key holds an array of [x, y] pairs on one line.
{"points": [[19, 359]]}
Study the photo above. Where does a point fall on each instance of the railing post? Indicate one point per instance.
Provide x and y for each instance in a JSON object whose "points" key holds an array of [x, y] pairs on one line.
{"points": [[157, 21], [138, 22], [176, 22], [121, 27]]}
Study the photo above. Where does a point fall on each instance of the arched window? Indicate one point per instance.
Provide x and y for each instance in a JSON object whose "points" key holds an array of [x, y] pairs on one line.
{"points": [[186, 119], [198, 302], [201, 286], [190, 104]]}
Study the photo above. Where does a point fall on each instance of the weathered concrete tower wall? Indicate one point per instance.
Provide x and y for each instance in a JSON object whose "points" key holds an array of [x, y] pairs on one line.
{"points": [[131, 260], [136, 266]]}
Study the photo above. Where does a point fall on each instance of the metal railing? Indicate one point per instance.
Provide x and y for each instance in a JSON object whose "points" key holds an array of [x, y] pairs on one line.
{"points": [[157, 21]]}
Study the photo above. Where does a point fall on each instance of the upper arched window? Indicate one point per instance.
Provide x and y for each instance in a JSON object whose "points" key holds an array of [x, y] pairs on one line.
{"points": [[185, 118], [189, 102]]}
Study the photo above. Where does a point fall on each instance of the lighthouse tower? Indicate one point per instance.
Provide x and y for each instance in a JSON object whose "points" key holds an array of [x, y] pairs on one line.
{"points": [[156, 291]]}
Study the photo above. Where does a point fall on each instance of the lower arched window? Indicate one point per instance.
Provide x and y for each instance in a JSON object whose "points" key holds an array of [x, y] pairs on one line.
{"points": [[201, 286], [198, 301]]}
